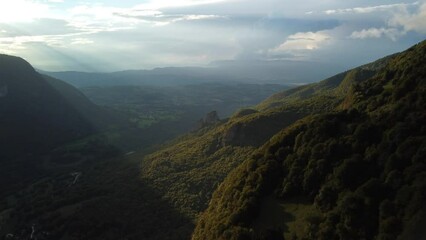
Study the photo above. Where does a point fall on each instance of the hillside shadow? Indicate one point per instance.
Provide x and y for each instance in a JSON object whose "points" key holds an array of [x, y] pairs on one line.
{"points": [[273, 215], [109, 201]]}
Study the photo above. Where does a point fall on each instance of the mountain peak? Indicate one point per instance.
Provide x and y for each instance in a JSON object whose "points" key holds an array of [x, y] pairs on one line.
{"points": [[8, 63], [30, 104]]}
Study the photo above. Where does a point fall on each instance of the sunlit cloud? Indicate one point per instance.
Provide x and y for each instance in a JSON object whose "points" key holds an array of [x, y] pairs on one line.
{"points": [[411, 21], [398, 24], [97, 18], [22, 10], [160, 19], [303, 41], [81, 41], [85, 16], [370, 9], [163, 4], [9, 44], [391, 33]]}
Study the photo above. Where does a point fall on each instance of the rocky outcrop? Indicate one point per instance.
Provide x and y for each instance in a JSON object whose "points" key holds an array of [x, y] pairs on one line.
{"points": [[255, 131], [244, 112], [208, 120]]}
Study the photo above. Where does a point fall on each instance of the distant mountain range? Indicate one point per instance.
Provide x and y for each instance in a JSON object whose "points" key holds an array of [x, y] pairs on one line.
{"points": [[277, 72]]}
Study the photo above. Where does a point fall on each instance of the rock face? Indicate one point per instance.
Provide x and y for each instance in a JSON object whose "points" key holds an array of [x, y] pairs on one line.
{"points": [[244, 112], [211, 118], [208, 120], [257, 130]]}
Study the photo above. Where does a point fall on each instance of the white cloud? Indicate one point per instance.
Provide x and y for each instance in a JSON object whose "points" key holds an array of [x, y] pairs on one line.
{"points": [[84, 16], [81, 41], [391, 33], [303, 41], [163, 4], [370, 9], [9, 44], [160, 19], [96, 18], [21, 10], [95, 11], [411, 21], [398, 24]]}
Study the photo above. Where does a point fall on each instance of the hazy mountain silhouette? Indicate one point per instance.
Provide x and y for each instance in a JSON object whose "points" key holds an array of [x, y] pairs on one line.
{"points": [[279, 72]]}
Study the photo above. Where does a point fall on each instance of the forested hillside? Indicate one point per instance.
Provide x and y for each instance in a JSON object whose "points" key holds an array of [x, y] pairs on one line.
{"points": [[356, 172], [30, 103], [38, 114], [188, 170]]}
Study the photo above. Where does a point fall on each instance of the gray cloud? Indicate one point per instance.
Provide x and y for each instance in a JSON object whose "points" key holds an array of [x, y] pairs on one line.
{"points": [[404, 19], [159, 18], [42, 26], [391, 33], [99, 36], [411, 21], [371, 9]]}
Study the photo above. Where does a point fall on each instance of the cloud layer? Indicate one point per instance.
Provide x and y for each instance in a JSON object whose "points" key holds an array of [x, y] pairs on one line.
{"points": [[111, 35]]}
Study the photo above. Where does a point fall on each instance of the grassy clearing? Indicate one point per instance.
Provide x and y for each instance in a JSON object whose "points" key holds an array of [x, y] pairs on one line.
{"points": [[288, 216]]}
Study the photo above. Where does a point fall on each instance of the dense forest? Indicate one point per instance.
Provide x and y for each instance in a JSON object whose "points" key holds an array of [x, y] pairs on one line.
{"points": [[356, 172]]}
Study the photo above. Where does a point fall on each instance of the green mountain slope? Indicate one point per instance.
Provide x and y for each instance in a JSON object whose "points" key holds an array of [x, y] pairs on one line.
{"points": [[31, 104], [188, 170], [354, 173], [332, 89], [38, 114]]}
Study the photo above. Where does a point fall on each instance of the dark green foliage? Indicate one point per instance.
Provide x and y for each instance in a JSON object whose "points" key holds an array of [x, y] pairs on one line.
{"points": [[361, 166], [188, 170], [109, 201], [32, 104], [325, 94], [36, 115]]}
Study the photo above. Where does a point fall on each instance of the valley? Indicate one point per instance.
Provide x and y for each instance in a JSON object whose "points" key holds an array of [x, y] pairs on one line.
{"points": [[68, 184]]}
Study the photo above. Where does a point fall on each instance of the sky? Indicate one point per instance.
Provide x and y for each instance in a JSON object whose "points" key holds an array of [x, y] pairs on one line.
{"points": [[59, 35]]}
